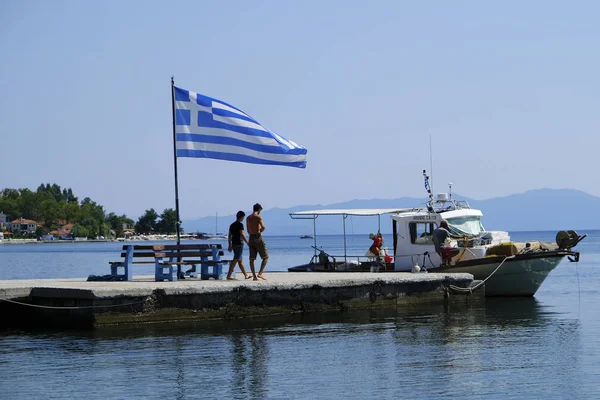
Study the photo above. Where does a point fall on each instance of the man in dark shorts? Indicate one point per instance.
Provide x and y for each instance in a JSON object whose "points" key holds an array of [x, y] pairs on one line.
{"points": [[235, 237], [256, 243]]}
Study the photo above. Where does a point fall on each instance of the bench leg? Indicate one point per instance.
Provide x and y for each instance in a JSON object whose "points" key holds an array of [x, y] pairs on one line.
{"points": [[160, 274], [126, 275], [216, 271], [204, 272], [128, 272]]}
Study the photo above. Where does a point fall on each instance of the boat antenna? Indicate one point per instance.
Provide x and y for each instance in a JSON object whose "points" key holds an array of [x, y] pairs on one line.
{"points": [[450, 189], [431, 161]]}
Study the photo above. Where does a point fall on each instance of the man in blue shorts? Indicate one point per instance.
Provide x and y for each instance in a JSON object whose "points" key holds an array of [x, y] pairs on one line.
{"points": [[235, 237]]}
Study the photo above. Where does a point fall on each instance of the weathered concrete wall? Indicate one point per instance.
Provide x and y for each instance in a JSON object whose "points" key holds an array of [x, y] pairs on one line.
{"points": [[78, 304]]}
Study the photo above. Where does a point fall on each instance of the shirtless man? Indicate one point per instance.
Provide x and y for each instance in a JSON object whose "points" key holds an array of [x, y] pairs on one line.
{"points": [[256, 226]]}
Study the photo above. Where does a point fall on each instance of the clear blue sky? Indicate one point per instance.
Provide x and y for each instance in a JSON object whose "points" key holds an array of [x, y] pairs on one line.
{"points": [[508, 91]]}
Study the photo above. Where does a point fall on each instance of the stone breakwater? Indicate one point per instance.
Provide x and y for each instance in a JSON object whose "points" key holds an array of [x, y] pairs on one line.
{"points": [[76, 303]]}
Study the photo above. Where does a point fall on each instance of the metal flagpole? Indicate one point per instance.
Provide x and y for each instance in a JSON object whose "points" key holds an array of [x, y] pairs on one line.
{"points": [[178, 223]]}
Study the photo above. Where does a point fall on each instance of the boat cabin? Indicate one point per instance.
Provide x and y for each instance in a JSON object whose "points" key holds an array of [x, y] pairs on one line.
{"points": [[413, 233]]}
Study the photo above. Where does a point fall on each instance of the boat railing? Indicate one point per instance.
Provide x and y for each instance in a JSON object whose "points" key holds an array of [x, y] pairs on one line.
{"points": [[422, 259], [344, 259], [337, 258], [445, 205], [462, 204]]}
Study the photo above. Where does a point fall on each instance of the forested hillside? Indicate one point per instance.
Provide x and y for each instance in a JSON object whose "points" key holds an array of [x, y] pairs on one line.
{"points": [[54, 208]]}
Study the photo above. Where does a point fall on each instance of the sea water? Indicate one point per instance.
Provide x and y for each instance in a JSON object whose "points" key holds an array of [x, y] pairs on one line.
{"points": [[547, 346]]}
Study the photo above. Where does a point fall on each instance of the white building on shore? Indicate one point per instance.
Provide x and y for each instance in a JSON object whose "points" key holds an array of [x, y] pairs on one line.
{"points": [[24, 225]]}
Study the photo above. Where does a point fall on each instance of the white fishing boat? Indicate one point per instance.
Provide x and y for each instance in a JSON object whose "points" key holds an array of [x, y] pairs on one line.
{"points": [[507, 268]]}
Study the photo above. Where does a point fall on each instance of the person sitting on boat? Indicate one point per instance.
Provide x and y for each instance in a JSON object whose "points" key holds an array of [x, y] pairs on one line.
{"points": [[375, 249], [439, 239], [377, 242]]}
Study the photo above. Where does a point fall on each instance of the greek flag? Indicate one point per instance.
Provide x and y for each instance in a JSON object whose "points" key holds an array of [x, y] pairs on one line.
{"points": [[210, 128]]}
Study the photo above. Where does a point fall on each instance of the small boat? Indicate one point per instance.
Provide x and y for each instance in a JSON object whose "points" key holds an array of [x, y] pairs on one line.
{"points": [[307, 237], [323, 262], [507, 268], [210, 236]]}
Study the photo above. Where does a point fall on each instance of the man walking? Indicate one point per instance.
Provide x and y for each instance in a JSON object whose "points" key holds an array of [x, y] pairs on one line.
{"points": [[235, 237], [256, 243]]}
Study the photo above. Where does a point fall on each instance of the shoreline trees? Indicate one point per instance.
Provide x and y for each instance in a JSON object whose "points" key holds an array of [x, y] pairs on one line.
{"points": [[54, 207]]}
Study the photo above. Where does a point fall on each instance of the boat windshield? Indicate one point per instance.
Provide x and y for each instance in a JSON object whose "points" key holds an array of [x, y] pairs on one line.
{"points": [[470, 226]]}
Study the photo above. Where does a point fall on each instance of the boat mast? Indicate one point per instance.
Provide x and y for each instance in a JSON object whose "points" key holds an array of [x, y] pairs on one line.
{"points": [[431, 161], [315, 234], [344, 220]]}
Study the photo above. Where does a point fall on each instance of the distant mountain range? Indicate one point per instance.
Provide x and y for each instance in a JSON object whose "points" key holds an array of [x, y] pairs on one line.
{"points": [[535, 210]]}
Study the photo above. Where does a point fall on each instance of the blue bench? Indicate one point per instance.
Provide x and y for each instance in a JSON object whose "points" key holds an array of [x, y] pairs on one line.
{"points": [[208, 256], [168, 260]]}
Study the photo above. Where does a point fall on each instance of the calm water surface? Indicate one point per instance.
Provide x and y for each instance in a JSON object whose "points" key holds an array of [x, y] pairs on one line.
{"points": [[542, 347]]}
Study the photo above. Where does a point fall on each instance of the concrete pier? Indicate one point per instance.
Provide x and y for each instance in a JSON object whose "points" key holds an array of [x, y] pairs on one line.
{"points": [[81, 304]]}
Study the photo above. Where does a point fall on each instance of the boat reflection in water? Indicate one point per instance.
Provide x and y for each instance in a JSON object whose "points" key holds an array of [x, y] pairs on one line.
{"points": [[430, 352]]}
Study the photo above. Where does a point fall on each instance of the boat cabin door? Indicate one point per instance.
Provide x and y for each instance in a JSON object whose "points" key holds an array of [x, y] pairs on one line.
{"points": [[414, 245]]}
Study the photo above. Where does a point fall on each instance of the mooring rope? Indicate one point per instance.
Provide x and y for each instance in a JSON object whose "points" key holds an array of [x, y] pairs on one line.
{"points": [[470, 289], [464, 250], [74, 307], [578, 285]]}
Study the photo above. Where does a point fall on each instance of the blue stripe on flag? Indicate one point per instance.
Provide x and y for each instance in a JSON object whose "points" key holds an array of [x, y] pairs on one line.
{"points": [[186, 137], [237, 157], [207, 102], [210, 123], [227, 113], [204, 100]]}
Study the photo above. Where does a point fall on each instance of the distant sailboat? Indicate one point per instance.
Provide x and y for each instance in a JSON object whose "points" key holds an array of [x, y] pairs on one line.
{"points": [[213, 236], [218, 235]]}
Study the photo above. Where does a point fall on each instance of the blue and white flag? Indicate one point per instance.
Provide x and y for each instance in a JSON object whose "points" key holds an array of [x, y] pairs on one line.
{"points": [[210, 128]]}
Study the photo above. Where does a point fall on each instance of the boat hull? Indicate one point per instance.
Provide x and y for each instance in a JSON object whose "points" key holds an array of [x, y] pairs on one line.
{"points": [[519, 276]]}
